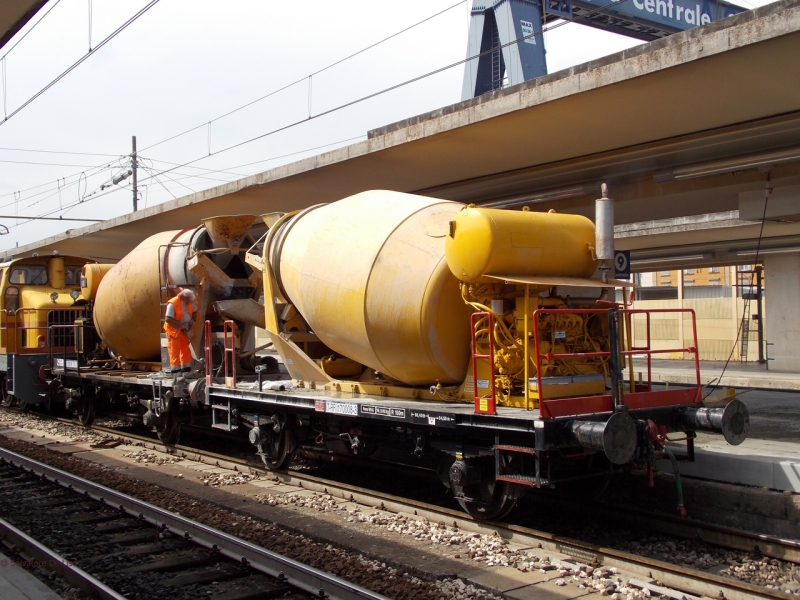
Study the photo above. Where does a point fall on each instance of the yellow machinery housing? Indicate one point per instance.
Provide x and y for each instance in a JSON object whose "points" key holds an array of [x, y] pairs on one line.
{"points": [[510, 263]]}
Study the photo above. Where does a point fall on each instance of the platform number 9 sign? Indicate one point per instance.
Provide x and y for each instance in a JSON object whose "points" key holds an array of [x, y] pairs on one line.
{"points": [[622, 264]]}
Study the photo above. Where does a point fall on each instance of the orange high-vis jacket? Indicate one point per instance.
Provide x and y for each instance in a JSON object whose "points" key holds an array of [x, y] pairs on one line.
{"points": [[178, 307]]}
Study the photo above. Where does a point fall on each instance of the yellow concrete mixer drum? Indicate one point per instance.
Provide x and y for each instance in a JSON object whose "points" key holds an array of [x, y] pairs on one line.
{"points": [[369, 275]]}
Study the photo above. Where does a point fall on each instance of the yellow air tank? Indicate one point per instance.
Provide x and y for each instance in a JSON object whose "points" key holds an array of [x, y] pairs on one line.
{"points": [[91, 276], [368, 274], [128, 302], [486, 241]]}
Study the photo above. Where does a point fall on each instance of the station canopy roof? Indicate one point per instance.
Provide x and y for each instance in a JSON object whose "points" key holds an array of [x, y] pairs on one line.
{"points": [[13, 16], [727, 89]]}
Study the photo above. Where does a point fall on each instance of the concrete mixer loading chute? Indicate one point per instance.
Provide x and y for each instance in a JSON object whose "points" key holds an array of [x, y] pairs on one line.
{"points": [[368, 275]]}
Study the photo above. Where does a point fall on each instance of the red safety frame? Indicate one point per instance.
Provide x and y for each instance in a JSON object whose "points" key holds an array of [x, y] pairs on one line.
{"points": [[491, 404], [643, 397], [207, 341], [229, 348]]}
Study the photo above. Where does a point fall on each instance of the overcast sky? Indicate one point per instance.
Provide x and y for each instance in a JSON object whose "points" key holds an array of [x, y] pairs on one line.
{"points": [[184, 63]]}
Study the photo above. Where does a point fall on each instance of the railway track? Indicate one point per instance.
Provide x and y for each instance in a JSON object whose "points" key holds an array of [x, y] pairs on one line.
{"points": [[162, 554], [727, 537], [680, 578]]}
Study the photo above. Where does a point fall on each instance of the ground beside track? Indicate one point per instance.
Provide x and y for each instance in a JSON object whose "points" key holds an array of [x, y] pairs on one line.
{"points": [[227, 508], [376, 532]]}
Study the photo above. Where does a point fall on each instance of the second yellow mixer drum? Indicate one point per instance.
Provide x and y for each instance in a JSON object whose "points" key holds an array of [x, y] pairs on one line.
{"points": [[368, 274]]}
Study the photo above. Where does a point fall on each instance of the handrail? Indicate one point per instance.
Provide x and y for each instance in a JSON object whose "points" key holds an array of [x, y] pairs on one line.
{"points": [[647, 350], [16, 326], [229, 335], [486, 406], [207, 342]]}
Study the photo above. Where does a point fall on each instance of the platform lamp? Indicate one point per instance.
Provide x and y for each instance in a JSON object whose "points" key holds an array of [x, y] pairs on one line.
{"points": [[4, 230]]}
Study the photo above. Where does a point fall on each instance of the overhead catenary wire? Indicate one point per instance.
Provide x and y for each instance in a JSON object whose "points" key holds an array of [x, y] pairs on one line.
{"points": [[44, 164], [309, 76], [208, 123], [36, 187], [57, 152], [369, 96], [98, 194], [91, 172], [47, 218], [164, 186], [31, 28], [53, 187], [351, 103], [278, 157], [77, 63], [288, 126], [90, 25]]}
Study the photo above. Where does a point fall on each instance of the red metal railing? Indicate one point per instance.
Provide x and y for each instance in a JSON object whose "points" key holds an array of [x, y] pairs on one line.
{"points": [[641, 398], [207, 342], [229, 349], [486, 406]]}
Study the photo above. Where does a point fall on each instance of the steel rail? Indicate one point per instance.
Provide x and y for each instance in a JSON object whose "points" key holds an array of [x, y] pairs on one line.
{"points": [[719, 535], [304, 577], [71, 573]]}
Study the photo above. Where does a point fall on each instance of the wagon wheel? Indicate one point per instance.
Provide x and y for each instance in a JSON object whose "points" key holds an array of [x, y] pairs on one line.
{"points": [[6, 399], [170, 432], [277, 452], [86, 410], [495, 500]]}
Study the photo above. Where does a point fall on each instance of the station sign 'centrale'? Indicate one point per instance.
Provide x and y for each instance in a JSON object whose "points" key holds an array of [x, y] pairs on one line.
{"points": [[680, 14]]}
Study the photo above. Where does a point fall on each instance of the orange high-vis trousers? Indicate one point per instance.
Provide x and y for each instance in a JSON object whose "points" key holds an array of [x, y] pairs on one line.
{"points": [[180, 356]]}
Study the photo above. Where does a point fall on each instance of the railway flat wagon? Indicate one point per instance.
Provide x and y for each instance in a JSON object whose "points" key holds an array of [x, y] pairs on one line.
{"points": [[486, 344]]}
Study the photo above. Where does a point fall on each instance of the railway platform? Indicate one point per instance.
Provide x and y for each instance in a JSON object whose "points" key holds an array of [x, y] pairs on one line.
{"points": [[770, 456], [18, 584], [756, 462], [737, 374]]}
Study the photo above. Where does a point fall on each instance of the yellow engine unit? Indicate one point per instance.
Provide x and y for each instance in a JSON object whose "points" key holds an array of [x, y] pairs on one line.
{"points": [[509, 264]]}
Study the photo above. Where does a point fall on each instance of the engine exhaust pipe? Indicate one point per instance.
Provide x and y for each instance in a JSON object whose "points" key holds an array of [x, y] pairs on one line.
{"points": [[615, 437], [604, 231], [732, 421]]}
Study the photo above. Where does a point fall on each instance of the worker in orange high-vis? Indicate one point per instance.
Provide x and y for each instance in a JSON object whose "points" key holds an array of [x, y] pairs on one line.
{"points": [[178, 321]]}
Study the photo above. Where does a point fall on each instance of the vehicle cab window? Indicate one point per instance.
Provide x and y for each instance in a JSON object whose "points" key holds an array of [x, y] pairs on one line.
{"points": [[72, 275], [28, 275]]}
